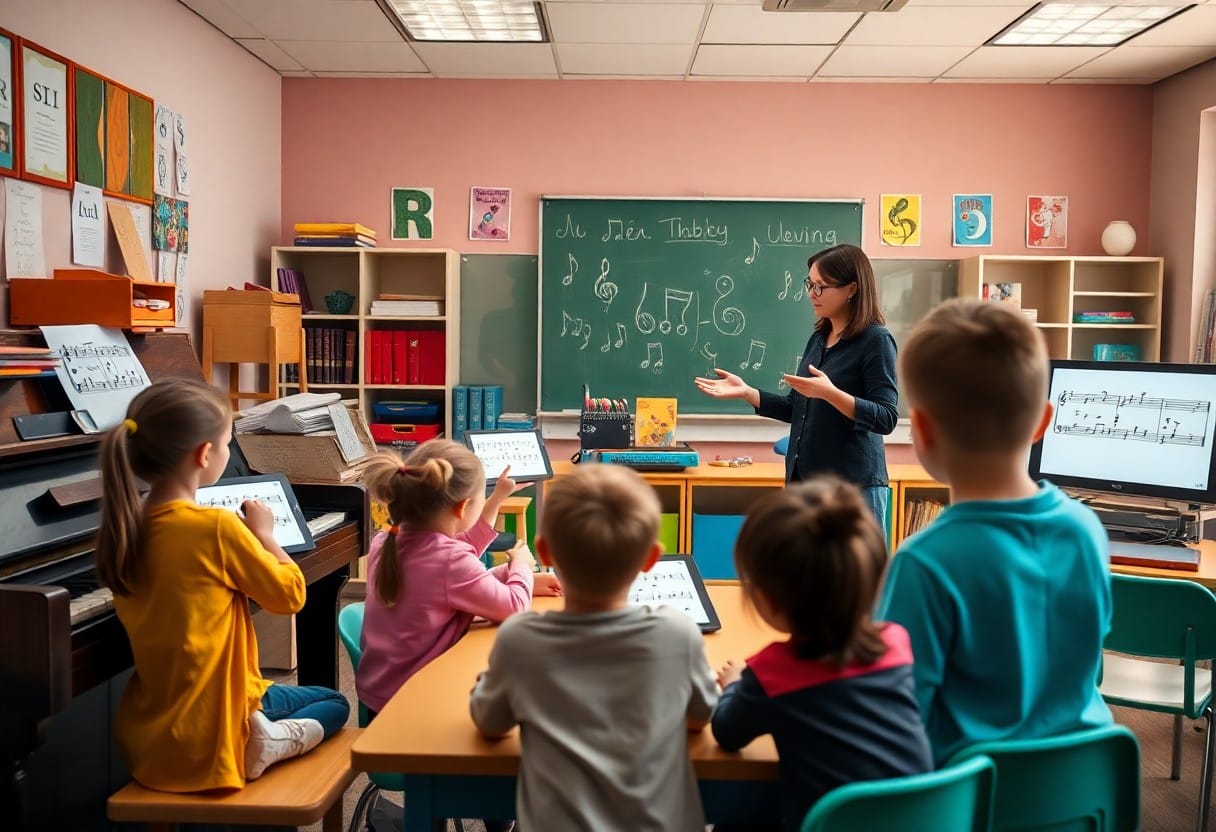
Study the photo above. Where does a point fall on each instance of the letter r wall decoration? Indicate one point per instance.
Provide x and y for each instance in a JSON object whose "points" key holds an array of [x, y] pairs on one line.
{"points": [[413, 212]]}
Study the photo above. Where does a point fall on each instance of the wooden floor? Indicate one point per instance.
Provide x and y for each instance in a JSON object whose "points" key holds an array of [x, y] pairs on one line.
{"points": [[1167, 806]]}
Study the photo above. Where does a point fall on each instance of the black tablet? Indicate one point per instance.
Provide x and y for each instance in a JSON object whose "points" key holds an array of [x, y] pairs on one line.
{"points": [[676, 581], [290, 528], [523, 450]]}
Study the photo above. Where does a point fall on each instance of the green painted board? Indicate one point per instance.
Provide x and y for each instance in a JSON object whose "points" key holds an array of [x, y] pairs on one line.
{"points": [[141, 148], [498, 326], [90, 129], [639, 296]]}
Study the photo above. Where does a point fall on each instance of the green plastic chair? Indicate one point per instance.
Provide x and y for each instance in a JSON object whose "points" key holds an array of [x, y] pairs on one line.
{"points": [[1164, 618], [350, 628], [957, 798], [1085, 781]]}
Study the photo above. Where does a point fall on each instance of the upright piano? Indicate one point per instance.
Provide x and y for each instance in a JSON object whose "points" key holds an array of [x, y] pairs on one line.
{"points": [[64, 656]]}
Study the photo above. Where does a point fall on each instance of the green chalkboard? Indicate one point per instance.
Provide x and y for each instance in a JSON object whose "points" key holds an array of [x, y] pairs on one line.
{"points": [[498, 326], [639, 296]]}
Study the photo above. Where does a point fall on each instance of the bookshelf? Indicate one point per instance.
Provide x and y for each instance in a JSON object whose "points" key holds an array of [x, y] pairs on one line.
{"points": [[365, 274], [1061, 287]]}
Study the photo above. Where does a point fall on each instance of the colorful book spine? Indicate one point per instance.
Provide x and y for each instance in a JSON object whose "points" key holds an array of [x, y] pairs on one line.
{"points": [[333, 228], [476, 403], [460, 411], [491, 406]]}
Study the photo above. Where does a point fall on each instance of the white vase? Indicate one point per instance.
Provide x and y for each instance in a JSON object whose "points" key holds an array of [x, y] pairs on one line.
{"points": [[1118, 238]]}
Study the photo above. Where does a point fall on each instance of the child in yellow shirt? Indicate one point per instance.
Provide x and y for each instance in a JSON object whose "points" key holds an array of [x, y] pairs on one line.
{"points": [[197, 714]]}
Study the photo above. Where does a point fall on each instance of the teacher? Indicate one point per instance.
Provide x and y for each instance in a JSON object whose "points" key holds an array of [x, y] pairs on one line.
{"points": [[843, 398]]}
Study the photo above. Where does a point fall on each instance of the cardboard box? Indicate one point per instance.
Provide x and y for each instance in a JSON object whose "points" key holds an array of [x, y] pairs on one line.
{"points": [[308, 457]]}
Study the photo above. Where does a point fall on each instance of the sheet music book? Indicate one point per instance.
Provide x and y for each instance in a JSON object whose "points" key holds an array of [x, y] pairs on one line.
{"points": [[98, 370]]}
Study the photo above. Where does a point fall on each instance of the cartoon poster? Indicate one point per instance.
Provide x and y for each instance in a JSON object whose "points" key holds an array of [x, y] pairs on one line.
{"points": [[1047, 222], [972, 219], [490, 214], [900, 220]]}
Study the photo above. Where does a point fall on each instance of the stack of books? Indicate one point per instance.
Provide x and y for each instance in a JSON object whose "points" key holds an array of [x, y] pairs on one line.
{"points": [[1031, 314], [27, 362], [327, 234], [1103, 318], [394, 305], [292, 282], [919, 513]]}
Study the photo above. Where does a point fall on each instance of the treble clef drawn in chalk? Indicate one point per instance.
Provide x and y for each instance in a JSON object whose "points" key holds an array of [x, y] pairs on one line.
{"points": [[605, 289], [732, 318]]}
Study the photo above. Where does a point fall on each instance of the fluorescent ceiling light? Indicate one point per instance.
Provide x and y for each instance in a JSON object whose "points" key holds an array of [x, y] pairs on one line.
{"points": [[470, 20], [1084, 24]]}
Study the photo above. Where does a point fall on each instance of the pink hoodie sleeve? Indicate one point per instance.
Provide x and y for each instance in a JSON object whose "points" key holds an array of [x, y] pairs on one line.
{"points": [[473, 588], [479, 536]]}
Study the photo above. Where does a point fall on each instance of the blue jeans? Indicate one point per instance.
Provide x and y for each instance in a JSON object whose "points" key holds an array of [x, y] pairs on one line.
{"points": [[326, 706], [877, 497]]}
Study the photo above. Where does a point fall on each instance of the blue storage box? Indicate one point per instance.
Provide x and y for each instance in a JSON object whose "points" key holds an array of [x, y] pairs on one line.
{"points": [[1116, 352], [713, 544], [421, 412]]}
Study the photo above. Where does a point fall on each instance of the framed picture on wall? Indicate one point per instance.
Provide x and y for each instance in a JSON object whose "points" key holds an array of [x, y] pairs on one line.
{"points": [[46, 116], [113, 140], [9, 111], [90, 129]]}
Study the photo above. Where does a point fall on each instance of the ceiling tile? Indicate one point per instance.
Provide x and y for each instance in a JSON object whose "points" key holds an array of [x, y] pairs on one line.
{"points": [[892, 61], [510, 76], [341, 20], [372, 74], [625, 22], [300, 74], [867, 80], [751, 24], [1155, 62], [934, 26], [1194, 27], [1023, 61], [731, 59], [623, 59], [220, 15], [1123, 81], [270, 53], [575, 76], [776, 79], [329, 56], [1004, 81], [488, 59]]}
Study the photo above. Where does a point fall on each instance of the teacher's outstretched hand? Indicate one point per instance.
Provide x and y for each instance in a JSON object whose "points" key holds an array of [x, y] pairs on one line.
{"points": [[728, 386]]}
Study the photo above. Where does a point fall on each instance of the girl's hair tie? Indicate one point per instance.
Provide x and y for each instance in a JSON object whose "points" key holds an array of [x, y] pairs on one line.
{"points": [[130, 425], [403, 468]]}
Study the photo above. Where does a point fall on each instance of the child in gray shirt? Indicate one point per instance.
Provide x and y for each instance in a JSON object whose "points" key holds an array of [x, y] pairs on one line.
{"points": [[604, 692]]}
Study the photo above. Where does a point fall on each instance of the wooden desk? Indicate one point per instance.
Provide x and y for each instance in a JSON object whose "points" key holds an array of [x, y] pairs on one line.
{"points": [[426, 733], [1205, 576]]}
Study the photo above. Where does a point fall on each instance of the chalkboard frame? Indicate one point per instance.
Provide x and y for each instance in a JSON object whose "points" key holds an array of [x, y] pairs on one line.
{"points": [[692, 413]]}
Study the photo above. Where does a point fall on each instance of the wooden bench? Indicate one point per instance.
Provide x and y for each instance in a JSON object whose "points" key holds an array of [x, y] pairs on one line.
{"points": [[293, 793]]}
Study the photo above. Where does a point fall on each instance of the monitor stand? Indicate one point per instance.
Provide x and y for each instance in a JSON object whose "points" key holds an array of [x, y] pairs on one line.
{"points": [[1147, 519]]}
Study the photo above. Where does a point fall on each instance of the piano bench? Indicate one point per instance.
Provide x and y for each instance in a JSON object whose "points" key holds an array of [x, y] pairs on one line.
{"points": [[297, 792]]}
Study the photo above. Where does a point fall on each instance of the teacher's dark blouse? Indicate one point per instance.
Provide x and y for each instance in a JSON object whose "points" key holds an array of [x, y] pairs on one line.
{"points": [[822, 439]]}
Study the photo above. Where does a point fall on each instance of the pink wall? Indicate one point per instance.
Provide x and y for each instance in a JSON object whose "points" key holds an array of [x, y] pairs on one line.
{"points": [[232, 105], [346, 142], [1177, 107]]}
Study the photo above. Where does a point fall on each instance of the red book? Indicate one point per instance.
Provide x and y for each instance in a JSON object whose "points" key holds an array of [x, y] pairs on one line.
{"points": [[432, 356], [386, 357], [369, 357], [399, 356], [412, 373]]}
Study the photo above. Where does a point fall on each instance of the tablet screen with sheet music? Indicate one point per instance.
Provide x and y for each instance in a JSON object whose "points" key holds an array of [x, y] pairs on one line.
{"points": [[675, 581], [290, 528], [523, 450]]}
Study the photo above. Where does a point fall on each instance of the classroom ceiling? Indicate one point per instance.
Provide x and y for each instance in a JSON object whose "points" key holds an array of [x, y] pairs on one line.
{"points": [[927, 41]]}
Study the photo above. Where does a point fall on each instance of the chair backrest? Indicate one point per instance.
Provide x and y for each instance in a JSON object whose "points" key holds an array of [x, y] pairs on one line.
{"points": [[957, 798], [350, 628], [1086, 781], [1166, 618]]}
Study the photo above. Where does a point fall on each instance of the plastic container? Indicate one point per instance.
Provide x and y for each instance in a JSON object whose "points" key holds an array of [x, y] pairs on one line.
{"points": [[386, 434], [420, 412]]}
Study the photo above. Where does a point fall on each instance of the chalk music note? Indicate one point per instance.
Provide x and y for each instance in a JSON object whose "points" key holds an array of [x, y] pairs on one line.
{"points": [[622, 337], [784, 293], [755, 250], [605, 289], [679, 296], [750, 347], [650, 361], [643, 320], [573, 265], [732, 316], [607, 342], [711, 357]]}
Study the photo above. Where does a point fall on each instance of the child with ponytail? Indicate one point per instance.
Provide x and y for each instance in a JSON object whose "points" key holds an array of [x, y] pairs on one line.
{"points": [[426, 580], [837, 696], [196, 713]]}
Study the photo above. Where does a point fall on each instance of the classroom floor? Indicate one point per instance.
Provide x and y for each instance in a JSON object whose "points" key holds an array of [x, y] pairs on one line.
{"points": [[1166, 805]]}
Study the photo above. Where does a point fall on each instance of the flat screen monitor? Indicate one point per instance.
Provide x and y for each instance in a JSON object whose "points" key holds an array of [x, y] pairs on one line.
{"points": [[1131, 428]]}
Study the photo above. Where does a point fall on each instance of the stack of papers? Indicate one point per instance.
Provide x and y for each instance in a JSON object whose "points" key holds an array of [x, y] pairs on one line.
{"points": [[293, 412], [407, 305]]}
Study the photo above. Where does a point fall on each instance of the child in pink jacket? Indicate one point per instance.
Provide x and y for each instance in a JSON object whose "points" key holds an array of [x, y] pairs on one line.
{"points": [[425, 577]]}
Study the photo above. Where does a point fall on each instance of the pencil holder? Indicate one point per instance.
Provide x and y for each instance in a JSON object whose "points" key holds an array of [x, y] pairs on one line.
{"points": [[605, 430]]}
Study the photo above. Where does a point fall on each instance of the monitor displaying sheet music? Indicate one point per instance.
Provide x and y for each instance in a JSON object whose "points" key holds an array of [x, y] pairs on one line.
{"points": [[290, 528], [523, 450], [1131, 428], [675, 581]]}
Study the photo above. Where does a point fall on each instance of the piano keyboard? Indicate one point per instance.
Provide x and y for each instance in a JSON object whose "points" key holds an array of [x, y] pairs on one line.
{"points": [[325, 522], [90, 605]]}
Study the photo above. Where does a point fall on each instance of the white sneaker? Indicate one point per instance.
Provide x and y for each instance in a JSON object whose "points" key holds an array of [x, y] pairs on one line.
{"points": [[271, 742]]}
